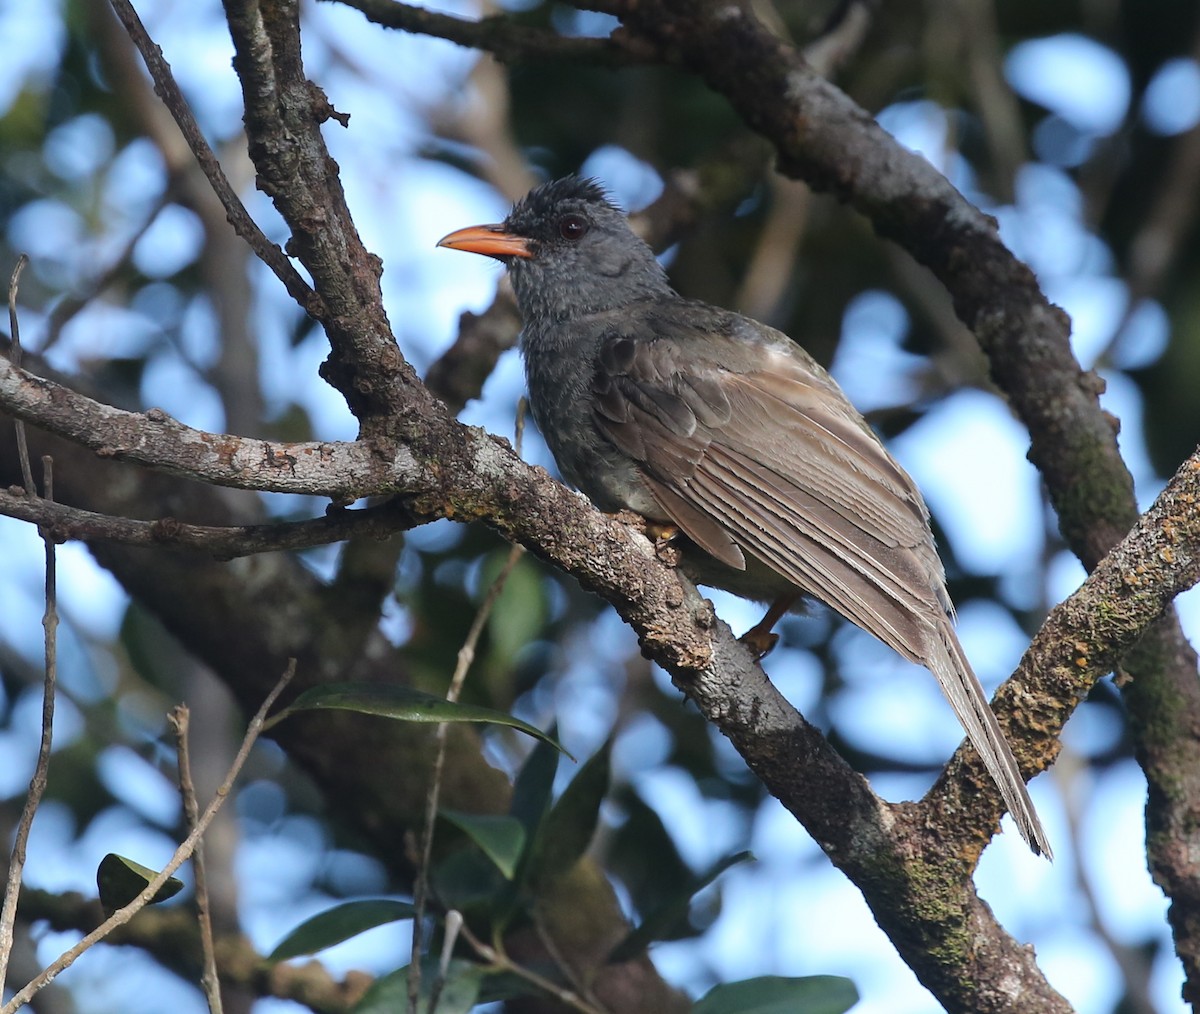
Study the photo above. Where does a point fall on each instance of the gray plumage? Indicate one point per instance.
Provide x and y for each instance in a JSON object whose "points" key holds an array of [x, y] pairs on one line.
{"points": [[699, 417]]}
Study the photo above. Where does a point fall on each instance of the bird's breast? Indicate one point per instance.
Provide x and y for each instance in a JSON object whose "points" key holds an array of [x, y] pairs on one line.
{"points": [[560, 393]]}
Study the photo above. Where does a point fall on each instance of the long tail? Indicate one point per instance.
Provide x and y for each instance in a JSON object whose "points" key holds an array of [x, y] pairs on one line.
{"points": [[962, 689]]}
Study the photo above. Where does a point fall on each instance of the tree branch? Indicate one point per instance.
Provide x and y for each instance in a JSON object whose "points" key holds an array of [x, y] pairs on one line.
{"points": [[220, 542], [284, 114], [171, 937], [166, 89], [500, 35]]}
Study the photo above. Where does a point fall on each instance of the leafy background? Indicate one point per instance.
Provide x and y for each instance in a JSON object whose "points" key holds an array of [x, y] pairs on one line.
{"points": [[1075, 125]]}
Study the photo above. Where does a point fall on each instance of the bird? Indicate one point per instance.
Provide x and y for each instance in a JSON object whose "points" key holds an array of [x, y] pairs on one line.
{"points": [[708, 423]]}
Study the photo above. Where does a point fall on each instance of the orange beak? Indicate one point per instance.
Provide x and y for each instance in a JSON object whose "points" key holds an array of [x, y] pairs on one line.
{"points": [[489, 240]]}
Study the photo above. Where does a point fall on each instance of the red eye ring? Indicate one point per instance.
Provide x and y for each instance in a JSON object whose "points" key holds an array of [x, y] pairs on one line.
{"points": [[572, 227]]}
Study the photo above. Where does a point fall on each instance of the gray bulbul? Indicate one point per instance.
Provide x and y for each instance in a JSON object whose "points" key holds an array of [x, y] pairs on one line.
{"points": [[709, 422]]}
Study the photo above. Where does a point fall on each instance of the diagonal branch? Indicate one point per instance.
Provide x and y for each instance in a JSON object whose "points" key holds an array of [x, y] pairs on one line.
{"points": [[284, 112], [167, 89]]}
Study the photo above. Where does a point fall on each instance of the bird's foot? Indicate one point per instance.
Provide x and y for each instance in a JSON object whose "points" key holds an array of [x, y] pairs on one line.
{"points": [[759, 638], [661, 531], [665, 537]]}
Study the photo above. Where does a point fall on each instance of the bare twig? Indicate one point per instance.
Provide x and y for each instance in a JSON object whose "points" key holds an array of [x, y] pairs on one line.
{"points": [[15, 353], [179, 718], [221, 542], [185, 850], [500, 35], [502, 962], [168, 90], [840, 38], [169, 935], [37, 784], [466, 655]]}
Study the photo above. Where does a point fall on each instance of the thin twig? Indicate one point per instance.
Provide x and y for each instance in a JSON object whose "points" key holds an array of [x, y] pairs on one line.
{"points": [[37, 784], [185, 850], [507, 39], [466, 655], [223, 543], [572, 976], [502, 962], [179, 719], [168, 90], [14, 356]]}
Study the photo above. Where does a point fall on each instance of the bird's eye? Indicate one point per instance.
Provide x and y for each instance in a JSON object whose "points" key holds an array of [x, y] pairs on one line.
{"points": [[572, 227]]}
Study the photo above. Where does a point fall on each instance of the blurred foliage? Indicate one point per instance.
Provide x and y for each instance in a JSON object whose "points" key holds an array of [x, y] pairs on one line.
{"points": [[77, 182]]}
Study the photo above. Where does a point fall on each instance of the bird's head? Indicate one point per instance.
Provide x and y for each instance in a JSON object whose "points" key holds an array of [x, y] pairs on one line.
{"points": [[569, 250]]}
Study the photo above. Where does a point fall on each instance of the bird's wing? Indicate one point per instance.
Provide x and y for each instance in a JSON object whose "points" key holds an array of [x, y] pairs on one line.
{"points": [[774, 461], [763, 453]]}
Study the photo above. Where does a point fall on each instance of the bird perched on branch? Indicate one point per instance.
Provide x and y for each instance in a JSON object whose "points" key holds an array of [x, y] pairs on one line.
{"points": [[716, 425]]}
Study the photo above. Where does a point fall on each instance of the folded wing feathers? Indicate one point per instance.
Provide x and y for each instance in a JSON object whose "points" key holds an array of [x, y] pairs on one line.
{"points": [[828, 508]]}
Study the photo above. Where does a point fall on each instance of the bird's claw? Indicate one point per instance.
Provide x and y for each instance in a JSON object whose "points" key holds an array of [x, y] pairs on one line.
{"points": [[759, 641]]}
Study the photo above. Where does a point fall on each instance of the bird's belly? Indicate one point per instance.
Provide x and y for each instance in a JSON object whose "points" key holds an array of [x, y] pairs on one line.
{"points": [[610, 480]]}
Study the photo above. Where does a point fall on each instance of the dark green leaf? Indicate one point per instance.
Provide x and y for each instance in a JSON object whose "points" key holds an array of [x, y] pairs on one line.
{"points": [[337, 924], [569, 826], [468, 881], [531, 797], [404, 703], [505, 986], [660, 924], [773, 994], [533, 788], [389, 994], [120, 880], [502, 838]]}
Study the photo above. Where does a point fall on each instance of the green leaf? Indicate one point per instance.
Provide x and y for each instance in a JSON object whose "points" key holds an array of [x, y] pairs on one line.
{"points": [[660, 923], [404, 703], [569, 826], [774, 994], [337, 924], [502, 838], [470, 882], [120, 880], [533, 788], [519, 614], [532, 792], [389, 994]]}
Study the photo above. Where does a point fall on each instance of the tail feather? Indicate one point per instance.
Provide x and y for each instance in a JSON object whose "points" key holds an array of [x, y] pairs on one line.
{"points": [[948, 663]]}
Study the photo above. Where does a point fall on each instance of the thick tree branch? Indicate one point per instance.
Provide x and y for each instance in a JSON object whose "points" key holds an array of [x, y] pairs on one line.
{"points": [[342, 470], [284, 114]]}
